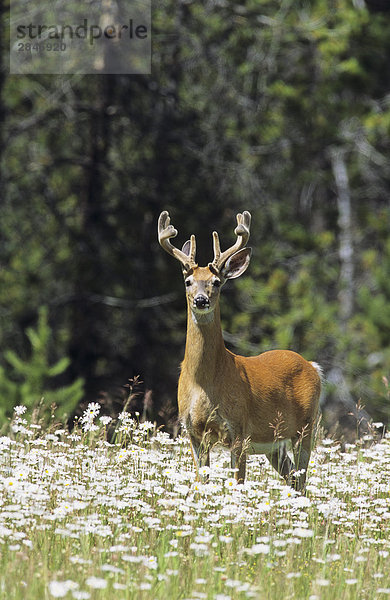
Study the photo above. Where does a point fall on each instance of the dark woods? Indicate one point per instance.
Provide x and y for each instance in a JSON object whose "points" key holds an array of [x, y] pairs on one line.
{"points": [[280, 109]]}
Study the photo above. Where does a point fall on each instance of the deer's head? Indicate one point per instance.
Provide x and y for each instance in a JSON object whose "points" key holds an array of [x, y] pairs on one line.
{"points": [[203, 284]]}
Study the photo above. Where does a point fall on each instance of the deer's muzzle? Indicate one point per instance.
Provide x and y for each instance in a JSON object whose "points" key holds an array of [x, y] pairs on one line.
{"points": [[201, 302]]}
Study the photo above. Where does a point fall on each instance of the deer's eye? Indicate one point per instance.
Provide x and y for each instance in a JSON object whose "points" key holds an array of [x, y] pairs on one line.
{"points": [[216, 283], [188, 282]]}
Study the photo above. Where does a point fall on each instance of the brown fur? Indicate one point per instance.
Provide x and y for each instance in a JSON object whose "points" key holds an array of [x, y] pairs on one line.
{"points": [[232, 399]]}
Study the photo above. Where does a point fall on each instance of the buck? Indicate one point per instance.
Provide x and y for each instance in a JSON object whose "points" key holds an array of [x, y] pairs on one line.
{"points": [[249, 404]]}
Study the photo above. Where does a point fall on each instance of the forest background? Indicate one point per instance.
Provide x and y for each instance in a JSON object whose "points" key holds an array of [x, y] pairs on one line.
{"points": [[279, 108]]}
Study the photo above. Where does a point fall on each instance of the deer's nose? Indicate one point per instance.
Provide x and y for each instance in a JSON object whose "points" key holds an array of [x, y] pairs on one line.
{"points": [[201, 301]]}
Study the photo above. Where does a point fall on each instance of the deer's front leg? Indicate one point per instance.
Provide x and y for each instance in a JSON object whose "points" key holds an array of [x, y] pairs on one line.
{"points": [[238, 461], [201, 455], [281, 462]]}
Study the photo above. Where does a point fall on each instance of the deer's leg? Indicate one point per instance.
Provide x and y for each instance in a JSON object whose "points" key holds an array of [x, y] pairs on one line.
{"points": [[302, 446], [238, 461], [281, 462], [200, 454]]}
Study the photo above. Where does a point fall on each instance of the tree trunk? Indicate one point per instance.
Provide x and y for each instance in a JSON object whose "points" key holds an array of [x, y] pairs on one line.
{"points": [[346, 254], [341, 415], [86, 345]]}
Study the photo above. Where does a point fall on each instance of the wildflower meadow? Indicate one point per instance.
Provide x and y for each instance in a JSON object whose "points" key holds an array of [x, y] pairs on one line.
{"points": [[86, 519]]}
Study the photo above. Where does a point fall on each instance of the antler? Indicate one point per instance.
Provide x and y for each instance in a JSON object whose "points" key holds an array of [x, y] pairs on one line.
{"points": [[242, 233], [166, 231]]}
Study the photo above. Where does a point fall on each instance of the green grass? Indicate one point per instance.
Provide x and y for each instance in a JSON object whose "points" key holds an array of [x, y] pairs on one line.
{"points": [[81, 518]]}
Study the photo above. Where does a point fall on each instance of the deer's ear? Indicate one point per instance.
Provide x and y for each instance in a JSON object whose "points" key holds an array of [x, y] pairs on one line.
{"points": [[186, 247], [237, 264]]}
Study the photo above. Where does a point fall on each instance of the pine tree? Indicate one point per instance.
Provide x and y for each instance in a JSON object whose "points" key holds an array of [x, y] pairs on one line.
{"points": [[31, 379]]}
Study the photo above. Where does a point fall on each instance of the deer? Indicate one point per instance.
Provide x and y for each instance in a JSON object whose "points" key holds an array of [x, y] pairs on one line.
{"points": [[251, 405]]}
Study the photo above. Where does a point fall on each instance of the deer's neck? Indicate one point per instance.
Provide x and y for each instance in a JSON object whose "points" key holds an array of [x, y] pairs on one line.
{"points": [[205, 349]]}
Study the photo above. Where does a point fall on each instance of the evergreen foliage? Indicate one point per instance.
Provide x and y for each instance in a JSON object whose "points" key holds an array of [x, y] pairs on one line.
{"points": [[28, 382]]}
